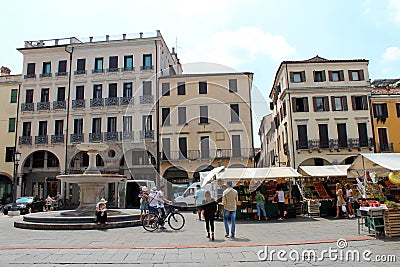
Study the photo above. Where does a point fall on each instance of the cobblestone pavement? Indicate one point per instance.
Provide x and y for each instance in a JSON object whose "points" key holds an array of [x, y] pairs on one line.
{"points": [[134, 246]]}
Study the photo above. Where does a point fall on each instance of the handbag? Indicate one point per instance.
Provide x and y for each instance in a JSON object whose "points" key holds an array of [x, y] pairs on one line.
{"points": [[344, 208]]}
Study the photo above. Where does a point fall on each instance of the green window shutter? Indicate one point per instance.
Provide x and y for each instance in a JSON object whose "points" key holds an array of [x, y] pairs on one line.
{"points": [[11, 125], [14, 95]]}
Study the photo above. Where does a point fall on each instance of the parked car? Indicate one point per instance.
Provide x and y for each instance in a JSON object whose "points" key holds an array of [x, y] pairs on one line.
{"points": [[25, 205]]}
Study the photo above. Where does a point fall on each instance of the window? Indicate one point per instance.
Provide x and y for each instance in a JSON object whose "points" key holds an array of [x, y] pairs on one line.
{"points": [[30, 70], [166, 148], [203, 87], [26, 128], [398, 110], [359, 102], [339, 103], [128, 62], [342, 134], [234, 112], [96, 125], [97, 91], [181, 88], [321, 104], [61, 94], [113, 63], [181, 115], [11, 125], [29, 96], [127, 89], [203, 114], [14, 95], [205, 147], [380, 110], [147, 62], [112, 90], [46, 68], [165, 112], [362, 134], [165, 89], [62, 67], [80, 92], [59, 127], [147, 88], [300, 104], [81, 66], [336, 75], [127, 124], [78, 126], [319, 76], [297, 77], [98, 64], [323, 135], [44, 95], [233, 86], [42, 131], [112, 124], [302, 136], [356, 75], [147, 123], [10, 154], [236, 146]]}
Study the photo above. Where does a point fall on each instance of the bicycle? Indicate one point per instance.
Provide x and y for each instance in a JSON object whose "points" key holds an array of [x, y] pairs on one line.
{"points": [[152, 221], [1, 209]]}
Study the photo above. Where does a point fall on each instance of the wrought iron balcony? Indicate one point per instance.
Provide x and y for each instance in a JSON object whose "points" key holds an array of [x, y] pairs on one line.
{"points": [[41, 140], [61, 73], [30, 76], [77, 138], [43, 106], [57, 139], [111, 136], [127, 136], [59, 104], [112, 101], [97, 102], [148, 134], [146, 99], [45, 75], [181, 155], [385, 147], [95, 137], [113, 69], [25, 140], [331, 144], [78, 103], [129, 69], [146, 67], [80, 72], [125, 100], [97, 71], [27, 107]]}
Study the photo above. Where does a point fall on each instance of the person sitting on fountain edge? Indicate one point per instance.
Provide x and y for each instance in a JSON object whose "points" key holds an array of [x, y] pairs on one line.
{"points": [[101, 211]]}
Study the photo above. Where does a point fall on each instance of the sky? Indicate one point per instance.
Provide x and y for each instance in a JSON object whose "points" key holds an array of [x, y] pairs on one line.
{"points": [[252, 35]]}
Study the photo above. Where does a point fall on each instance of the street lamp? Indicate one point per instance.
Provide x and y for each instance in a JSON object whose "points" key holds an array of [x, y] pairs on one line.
{"points": [[218, 156], [17, 158]]}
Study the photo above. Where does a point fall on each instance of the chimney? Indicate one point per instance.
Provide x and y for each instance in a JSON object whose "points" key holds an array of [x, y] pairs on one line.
{"points": [[91, 39], [141, 34], [124, 36], [5, 71], [56, 41], [158, 33], [107, 37], [173, 50]]}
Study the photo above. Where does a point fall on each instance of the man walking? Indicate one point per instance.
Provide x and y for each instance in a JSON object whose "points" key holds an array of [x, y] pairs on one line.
{"points": [[229, 202], [198, 198]]}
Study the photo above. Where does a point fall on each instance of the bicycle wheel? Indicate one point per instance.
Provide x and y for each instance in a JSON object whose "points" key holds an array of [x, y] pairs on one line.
{"points": [[150, 222], [176, 221]]}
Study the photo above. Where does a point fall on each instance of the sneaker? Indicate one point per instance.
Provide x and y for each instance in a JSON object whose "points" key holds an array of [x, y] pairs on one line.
{"points": [[232, 236], [227, 235], [162, 228]]}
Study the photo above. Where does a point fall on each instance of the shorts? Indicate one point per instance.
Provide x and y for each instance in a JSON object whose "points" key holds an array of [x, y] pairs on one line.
{"points": [[350, 200]]}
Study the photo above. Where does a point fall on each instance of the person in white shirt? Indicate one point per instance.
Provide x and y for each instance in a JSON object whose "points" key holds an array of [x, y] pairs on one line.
{"points": [[281, 202]]}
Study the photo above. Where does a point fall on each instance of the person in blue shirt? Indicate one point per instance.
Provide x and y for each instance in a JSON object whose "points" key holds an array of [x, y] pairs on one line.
{"points": [[198, 198]]}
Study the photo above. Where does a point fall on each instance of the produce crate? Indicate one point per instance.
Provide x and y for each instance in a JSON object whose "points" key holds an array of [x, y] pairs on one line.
{"points": [[392, 222], [321, 190], [313, 207]]}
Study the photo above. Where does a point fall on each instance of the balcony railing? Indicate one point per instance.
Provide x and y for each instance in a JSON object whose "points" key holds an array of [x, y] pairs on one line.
{"points": [[385, 147], [41, 140], [45, 75], [78, 103], [43, 106], [146, 67], [111, 136], [128, 69], [125, 100], [95, 137], [113, 70], [97, 102], [59, 104], [77, 138], [149, 134], [30, 76], [25, 140], [27, 107], [80, 72], [127, 136], [212, 154], [111, 101], [97, 71], [57, 139], [146, 99], [61, 73], [317, 144]]}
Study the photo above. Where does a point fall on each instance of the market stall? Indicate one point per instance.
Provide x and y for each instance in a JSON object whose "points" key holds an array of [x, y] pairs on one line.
{"points": [[247, 180]]}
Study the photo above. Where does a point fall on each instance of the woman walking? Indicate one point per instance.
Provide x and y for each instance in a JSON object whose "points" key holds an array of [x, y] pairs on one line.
{"points": [[144, 202], [281, 203], [340, 203], [209, 212], [349, 200]]}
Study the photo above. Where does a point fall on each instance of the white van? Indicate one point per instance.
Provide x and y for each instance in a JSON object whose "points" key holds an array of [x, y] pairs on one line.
{"points": [[132, 189], [187, 198]]}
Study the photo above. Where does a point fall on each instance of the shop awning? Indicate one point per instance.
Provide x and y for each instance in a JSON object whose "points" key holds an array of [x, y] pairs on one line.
{"points": [[235, 174], [206, 177], [324, 171], [376, 162]]}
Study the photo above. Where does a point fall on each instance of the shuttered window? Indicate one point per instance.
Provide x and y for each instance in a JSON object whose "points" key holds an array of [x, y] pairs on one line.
{"points": [[380, 110], [336, 75], [339, 103], [80, 65], [297, 77], [232, 86], [300, 104], [113, 62], [165, 89], [356, 75], [321, 104], [11, 125], [147, 88], [319, 76], [14, 95], [359, 102], [30, 68]]}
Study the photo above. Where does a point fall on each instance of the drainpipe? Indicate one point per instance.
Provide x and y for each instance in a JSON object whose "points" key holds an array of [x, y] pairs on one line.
{"points": [[15, 171], [251, 121], [68, 108], [158, 124], [371, 115], [291, 117]]}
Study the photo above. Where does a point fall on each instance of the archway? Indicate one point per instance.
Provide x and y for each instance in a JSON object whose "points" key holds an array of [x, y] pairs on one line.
{"points": [[80, 161], [175, 176], [315, 162], [237, 165], [348, 160], [5, 189], [203, 168]]}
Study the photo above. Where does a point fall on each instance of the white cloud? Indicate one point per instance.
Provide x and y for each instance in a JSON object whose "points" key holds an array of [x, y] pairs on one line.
{"points": [[392, 54], [394, 10], [233, 48]]}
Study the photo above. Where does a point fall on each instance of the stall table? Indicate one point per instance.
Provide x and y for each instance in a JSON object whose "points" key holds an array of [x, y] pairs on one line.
{"points": [[372, 218]]}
